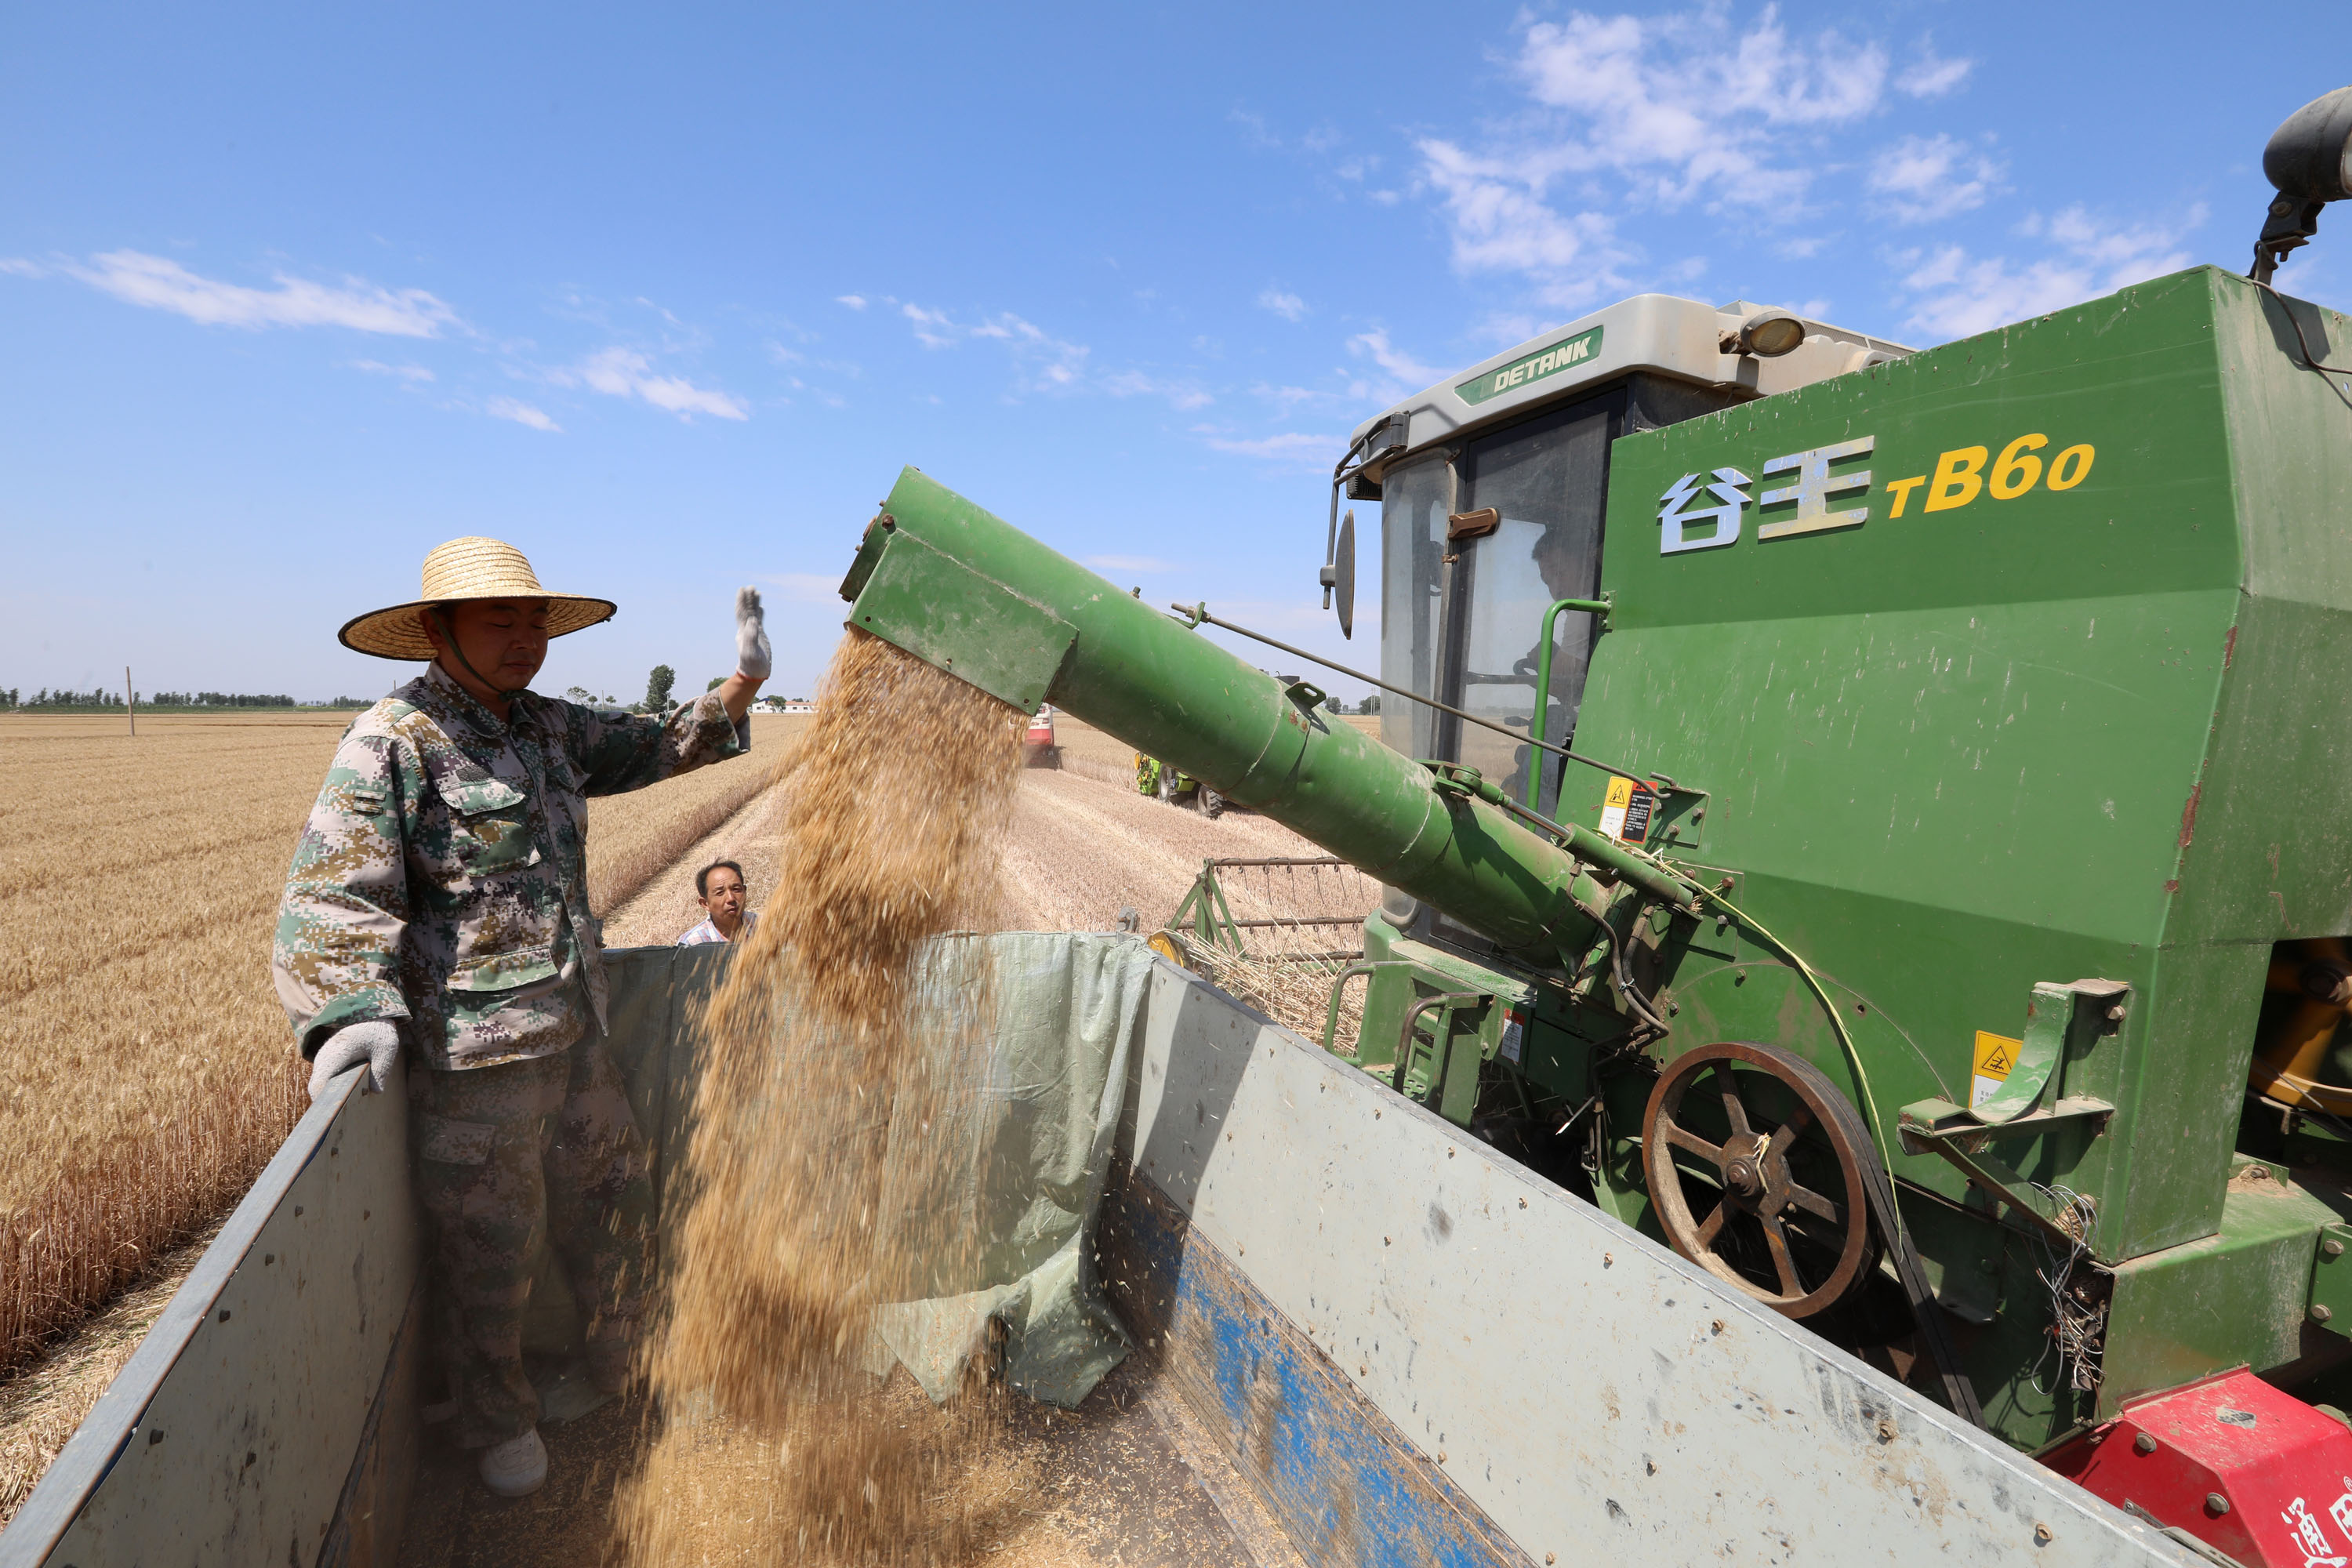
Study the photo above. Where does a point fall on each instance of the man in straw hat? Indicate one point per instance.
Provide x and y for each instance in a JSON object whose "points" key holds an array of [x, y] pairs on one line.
{"points": [[438, 900]]}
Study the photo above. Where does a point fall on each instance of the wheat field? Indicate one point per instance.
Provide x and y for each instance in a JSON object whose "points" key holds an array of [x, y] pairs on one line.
{"points": [[146, 1070]]}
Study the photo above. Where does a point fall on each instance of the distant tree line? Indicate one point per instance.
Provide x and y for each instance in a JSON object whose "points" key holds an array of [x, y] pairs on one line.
{"points": [[14, 698], [45, 697], [229, 699]]}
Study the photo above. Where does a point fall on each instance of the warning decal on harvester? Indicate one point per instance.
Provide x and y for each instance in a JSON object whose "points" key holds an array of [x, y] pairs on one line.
{"points": [[1626, 813], [1995, 1056]]}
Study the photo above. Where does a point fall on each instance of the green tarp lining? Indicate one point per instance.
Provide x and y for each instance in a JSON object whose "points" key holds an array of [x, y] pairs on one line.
{"points": [[1025, 1123]]}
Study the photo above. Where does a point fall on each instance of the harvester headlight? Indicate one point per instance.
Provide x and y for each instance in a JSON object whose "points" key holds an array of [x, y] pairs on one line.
{"points": [[2307, 157], [2309, 160], [1767, 334]]}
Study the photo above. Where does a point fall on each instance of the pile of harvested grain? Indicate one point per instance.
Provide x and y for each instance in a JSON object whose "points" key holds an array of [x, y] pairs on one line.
{"points": [[790, 1235]]}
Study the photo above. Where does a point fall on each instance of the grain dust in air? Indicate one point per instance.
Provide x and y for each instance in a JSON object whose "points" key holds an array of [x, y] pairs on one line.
{"points": [[779, 1442]]}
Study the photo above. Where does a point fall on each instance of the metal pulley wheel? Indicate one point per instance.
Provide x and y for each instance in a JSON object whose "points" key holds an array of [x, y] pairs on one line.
{"points": [[1755, 1166]]}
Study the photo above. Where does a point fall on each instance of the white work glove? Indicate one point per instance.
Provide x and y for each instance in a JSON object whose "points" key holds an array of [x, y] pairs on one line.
{"points": [[374, 1044], [752, 656]]}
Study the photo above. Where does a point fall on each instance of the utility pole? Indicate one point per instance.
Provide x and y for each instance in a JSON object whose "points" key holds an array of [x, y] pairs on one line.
{"points": [[129, 702]]}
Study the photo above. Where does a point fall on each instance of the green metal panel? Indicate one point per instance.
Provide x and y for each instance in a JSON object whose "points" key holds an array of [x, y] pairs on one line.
{"points": [[928, 604], [2331, 1279], [1961, 751], [2236, 1298]]}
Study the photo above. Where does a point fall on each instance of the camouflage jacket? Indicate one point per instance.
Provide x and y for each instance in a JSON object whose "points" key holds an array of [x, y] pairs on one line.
{"points": [[443, 877]]}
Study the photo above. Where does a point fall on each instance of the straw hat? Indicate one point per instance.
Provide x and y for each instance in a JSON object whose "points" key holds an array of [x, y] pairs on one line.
{"points": [[467, 569]]}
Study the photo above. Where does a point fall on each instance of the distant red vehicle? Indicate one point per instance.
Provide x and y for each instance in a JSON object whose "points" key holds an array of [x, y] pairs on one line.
{"points": [[1037, 747]]}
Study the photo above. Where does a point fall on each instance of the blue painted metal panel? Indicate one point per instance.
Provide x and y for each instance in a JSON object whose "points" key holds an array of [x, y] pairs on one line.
{"points": [[1341, 1481]]}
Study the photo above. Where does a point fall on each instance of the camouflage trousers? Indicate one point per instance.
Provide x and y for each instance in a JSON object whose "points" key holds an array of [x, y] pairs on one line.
{"points": [[506, 1156]]}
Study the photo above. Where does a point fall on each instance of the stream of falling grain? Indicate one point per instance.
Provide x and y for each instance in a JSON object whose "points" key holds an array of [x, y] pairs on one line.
{"points": [[779, 1443]]}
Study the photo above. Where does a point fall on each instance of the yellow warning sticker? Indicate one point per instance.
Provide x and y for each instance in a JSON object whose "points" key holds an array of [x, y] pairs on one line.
{"points": [[1612, 806], [1995, 1056]]}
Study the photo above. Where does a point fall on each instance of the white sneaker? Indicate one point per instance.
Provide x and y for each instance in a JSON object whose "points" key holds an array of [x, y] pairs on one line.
{"points": [[516, 1468]]}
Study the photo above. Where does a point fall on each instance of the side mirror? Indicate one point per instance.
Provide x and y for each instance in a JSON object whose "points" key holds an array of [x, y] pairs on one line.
{"points": [[1343, 575], [2306, 160]]}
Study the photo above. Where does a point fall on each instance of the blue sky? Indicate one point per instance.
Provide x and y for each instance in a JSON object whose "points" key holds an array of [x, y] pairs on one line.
{"points": [[667, 295]]}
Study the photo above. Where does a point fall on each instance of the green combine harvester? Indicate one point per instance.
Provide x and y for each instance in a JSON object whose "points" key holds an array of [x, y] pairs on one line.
{"points": [[1877, 821]]}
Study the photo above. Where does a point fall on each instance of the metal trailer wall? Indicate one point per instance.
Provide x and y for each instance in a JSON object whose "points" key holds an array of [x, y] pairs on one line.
{"points": [[230, 1435], [1413, 1350], [271, 1414], [1418, 1352]]}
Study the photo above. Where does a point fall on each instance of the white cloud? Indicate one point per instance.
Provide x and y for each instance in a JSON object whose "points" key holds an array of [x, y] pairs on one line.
{"points": [[1932, 76], [806, 588], [1627, 113], [1925, 178], [855, 301], [1293, 445], [932, 327], [409, 373], [21, 268], [1254, 127], [1289, 307], [1181, 394], [1502, 223], [1046, 362], [522, 413], [1674, 103], [161, 284], [1287, 398], [1146, 563], [1504, 328], [625, 372], [1956, 294], [1391, 359]]}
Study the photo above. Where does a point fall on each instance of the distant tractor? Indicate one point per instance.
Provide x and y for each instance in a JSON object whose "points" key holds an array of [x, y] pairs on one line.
{"points": [[1175, 786], [1037, 747]]}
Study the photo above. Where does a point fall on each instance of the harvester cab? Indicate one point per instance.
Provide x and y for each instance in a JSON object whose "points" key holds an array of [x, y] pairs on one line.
{"points": [[1874, 819]]}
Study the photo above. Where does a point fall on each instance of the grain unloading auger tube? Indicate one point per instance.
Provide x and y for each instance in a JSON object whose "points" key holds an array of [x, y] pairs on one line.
{"points": [[965, 591]]}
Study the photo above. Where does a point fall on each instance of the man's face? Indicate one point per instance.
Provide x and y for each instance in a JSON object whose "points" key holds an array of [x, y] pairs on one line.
{"points": [[724, 901], [504, 639]]}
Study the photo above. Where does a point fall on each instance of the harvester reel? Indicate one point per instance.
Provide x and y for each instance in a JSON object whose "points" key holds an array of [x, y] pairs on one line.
{"points": [[1755, 1165]]}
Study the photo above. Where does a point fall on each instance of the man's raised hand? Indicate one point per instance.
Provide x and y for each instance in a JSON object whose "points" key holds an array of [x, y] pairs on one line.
{"points": [[753, 656]]}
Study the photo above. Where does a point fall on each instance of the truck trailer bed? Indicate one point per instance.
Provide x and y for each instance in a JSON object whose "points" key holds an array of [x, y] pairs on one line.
{"points": [[1363, 1338]]}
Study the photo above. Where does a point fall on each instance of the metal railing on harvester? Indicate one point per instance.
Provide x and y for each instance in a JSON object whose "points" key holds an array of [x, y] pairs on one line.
{"points": [[1207, 913], [1266, 931]]}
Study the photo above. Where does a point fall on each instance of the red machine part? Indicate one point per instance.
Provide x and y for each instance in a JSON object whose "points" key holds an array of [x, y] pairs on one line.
{"points": [[1041, 729], [2249, 1471]]}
